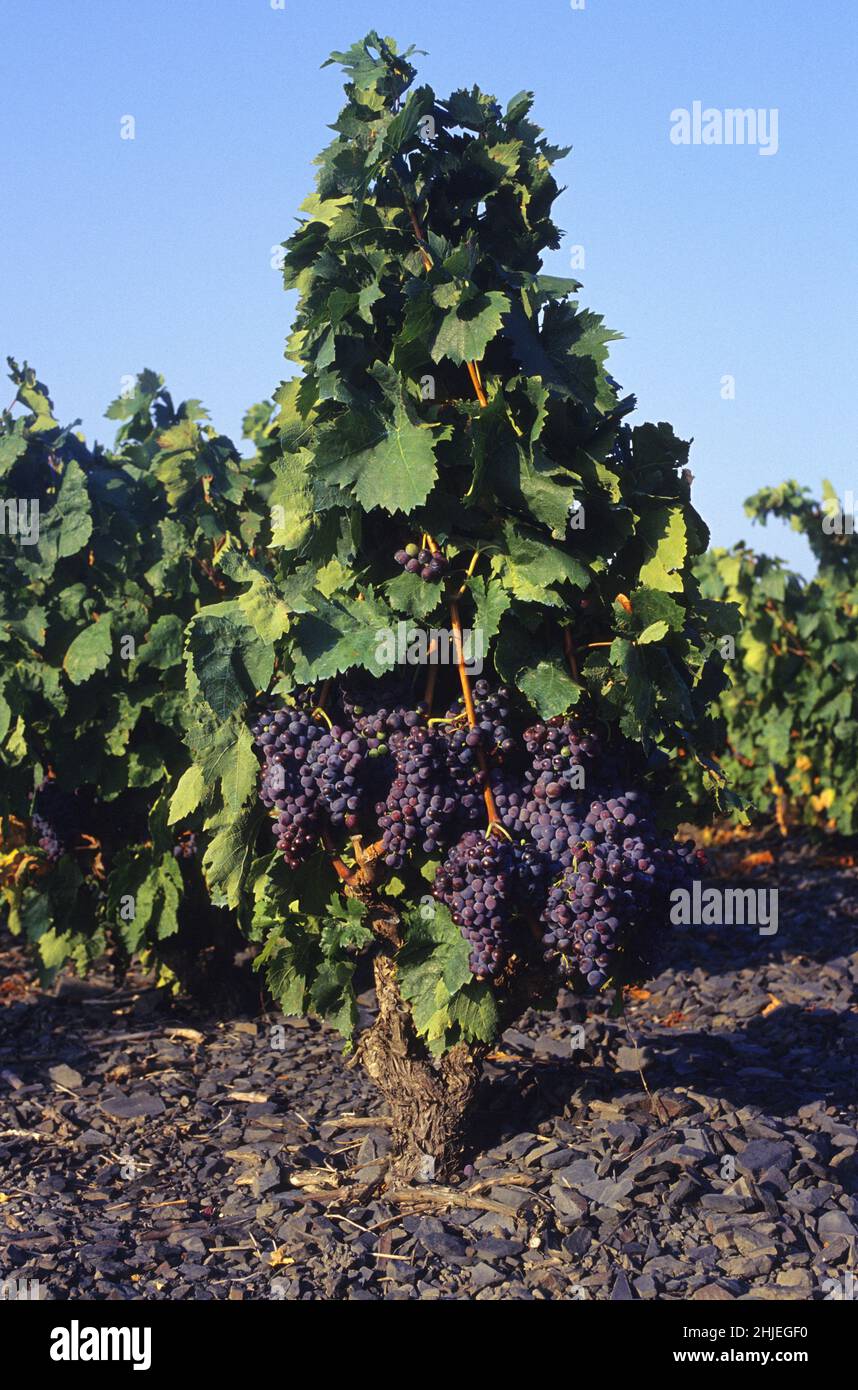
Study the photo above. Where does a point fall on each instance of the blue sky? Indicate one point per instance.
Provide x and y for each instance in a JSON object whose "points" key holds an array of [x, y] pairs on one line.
{"points": [[714, 261]]}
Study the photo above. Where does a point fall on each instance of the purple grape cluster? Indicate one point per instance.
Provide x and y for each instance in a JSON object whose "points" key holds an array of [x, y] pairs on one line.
{"points": [[335, 761], [186, 847], [590, 867], [58, 818], [562, 757], [493, 712], [616, 879], [288, 788], [431, 565], [439, 777], [374, 706], [464, 770], [477, 883], [420, 805], [584, 926]]}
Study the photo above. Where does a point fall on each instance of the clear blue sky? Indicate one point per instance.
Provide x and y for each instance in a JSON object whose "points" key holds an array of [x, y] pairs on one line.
{"points": [[118, 254]]}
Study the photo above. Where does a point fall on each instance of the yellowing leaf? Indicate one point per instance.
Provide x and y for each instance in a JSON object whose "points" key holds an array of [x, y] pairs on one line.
{"points": [[665, 540]]}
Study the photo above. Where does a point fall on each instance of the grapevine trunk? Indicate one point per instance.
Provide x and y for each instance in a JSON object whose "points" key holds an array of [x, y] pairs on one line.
{"points": [[428, 1099]]}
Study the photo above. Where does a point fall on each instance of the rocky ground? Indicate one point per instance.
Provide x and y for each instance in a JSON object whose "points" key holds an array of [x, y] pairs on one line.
{"points": [[702, 1148]]}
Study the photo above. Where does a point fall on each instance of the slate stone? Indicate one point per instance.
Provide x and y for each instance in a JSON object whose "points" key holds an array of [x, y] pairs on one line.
{"points": [[578, 1243], [578, 1175], [724, 1084], [645, 1286], [494, 1248], [631, 1058], [569, 1205], [139, 1106], [747, 1267], [667, 1265], [442, 1243], [697, 1140], [723, 1201], [483, 1276], [795, 1279], [761, 1154], [65, 1076], [750, 1241], [511, 1196], [683, 1191], [553, 1161], [92, 1139], [836, 1223]]}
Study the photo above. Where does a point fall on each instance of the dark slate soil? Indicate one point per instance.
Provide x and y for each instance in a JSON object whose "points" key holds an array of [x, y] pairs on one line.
{"points": [[148, 1150]]}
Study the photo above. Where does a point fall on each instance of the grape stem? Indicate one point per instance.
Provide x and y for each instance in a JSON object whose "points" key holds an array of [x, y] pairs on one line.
{"points": [[464, 679], [340, 868], [476, 381], [412, 216], [501, 830], [456, 624], [468, 574]]}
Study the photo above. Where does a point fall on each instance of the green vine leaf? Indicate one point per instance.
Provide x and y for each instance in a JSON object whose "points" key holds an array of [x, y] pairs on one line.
{"points": [[90, 651]]}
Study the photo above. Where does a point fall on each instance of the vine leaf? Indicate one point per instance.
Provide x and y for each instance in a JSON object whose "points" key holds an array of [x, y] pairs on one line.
{"points": [[467, 329], [190, 791], [90, 651], [229, 852], [163, 645], [227, 657], [343, 632], [665, 543], [530, 566]]}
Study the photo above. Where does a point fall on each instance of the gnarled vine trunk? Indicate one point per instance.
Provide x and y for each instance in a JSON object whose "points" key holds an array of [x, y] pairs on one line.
{"points": [[428, 1098]]}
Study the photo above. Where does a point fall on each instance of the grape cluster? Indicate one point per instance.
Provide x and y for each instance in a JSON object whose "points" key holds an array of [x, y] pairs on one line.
{"points": [[186, 847], [431, 565], [574, 855], [476, 882], [335, 761], [376, 706], [58, 819], [419, 805], [288, 787], [562, 756], [614, 886], [492, 710]]}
